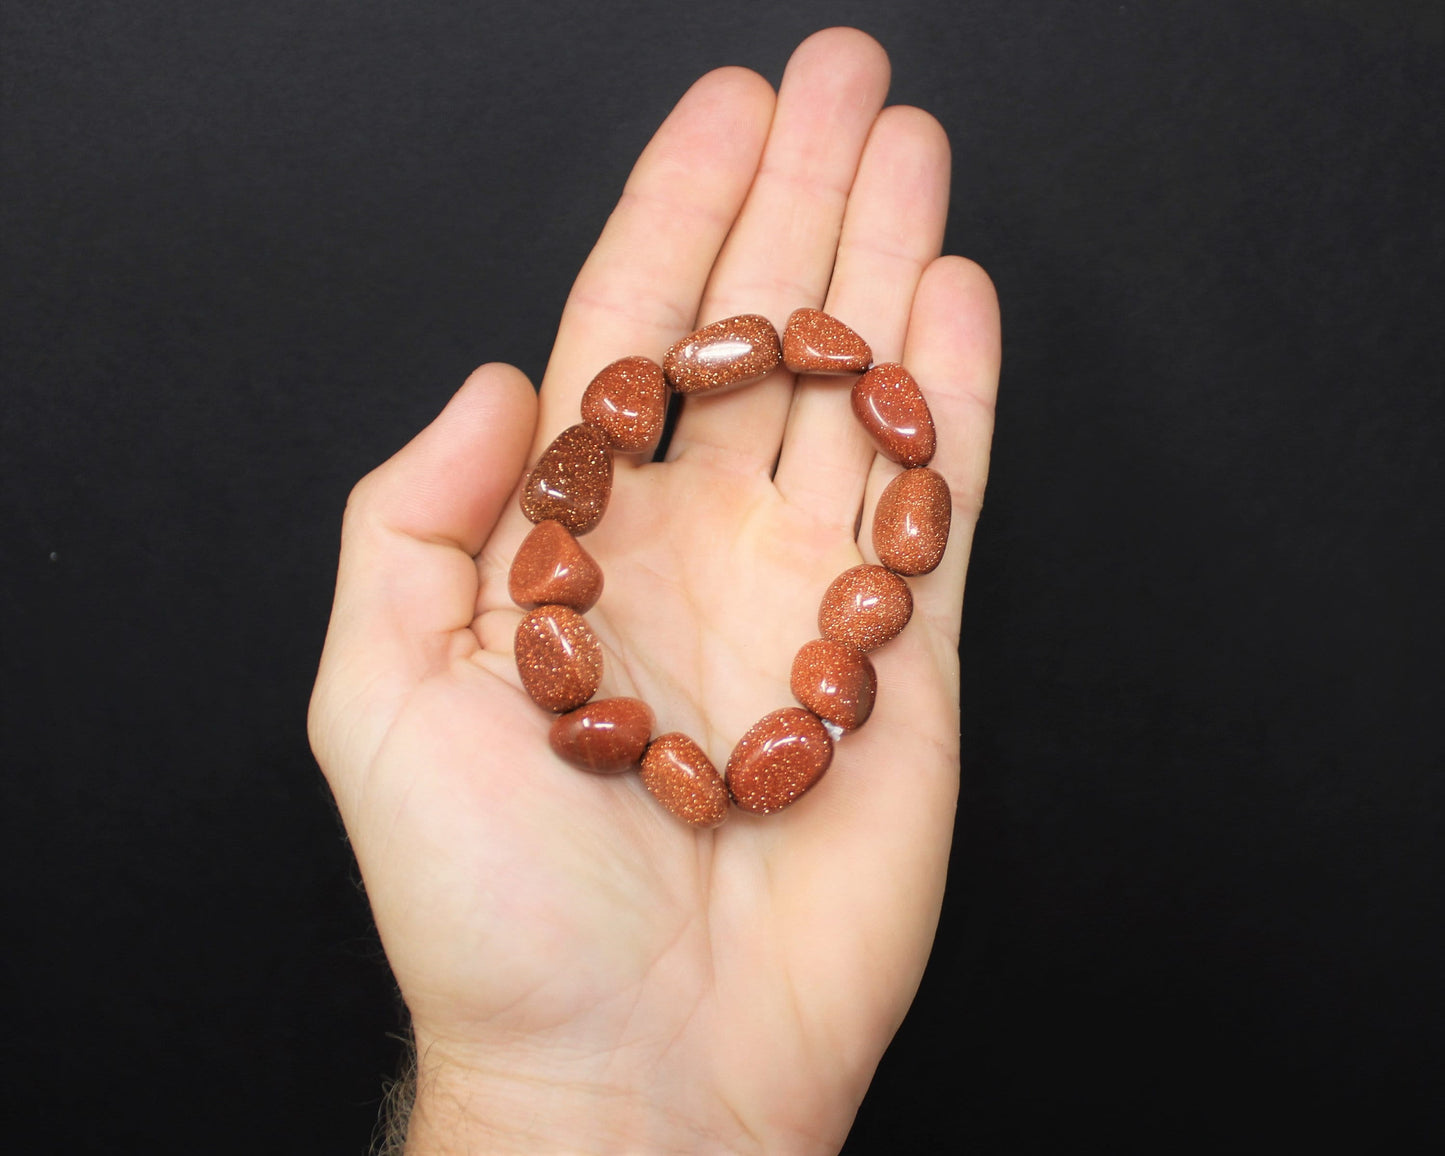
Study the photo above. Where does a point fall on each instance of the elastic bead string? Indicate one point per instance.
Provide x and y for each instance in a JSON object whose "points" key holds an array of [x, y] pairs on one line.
{"points": [[556, 581]]}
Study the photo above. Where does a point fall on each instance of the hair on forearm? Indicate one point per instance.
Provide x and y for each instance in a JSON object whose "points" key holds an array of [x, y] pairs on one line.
{"points": [[398, 1099]]}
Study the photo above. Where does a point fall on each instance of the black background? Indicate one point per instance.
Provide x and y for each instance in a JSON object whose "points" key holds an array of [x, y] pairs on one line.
{"points": [[250, 248]]}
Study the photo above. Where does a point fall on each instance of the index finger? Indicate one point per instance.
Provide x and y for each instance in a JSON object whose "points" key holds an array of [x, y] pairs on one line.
{"points": [[639, 290]]}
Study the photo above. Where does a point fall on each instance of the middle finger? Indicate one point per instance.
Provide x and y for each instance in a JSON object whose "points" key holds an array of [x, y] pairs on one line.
{"points": [[780, 253]]}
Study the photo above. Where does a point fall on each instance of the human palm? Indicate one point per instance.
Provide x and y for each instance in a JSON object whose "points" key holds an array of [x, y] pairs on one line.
{"points": [[583, 971]]}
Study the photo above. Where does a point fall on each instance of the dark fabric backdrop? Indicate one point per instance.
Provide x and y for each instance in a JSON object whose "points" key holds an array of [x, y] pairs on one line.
{"points": [[247, 249]]}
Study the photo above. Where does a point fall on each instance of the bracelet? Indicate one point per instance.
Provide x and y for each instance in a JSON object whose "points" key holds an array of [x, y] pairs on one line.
{"points": [[556, 581]]}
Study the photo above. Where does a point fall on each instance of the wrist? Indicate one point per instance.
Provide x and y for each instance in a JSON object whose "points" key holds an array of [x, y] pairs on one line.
{"points": [[472, 1102]]}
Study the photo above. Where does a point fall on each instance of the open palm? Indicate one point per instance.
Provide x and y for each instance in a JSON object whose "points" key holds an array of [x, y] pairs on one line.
{"points": [[584, 972]]}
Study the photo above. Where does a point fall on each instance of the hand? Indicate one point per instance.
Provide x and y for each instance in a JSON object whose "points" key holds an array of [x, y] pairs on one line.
{"points": [[583, 971]]}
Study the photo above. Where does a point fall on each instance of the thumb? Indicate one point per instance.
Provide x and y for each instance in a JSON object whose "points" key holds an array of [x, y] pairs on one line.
{"points": [[407, 580]]}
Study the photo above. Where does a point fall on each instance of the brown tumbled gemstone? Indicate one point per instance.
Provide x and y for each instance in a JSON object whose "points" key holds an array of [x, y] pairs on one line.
{"points": [[816, 342], [682, 778], [558, 657], [571, 481], [835, 681], [910, 526], [552, 569], [889, 405], [778, 760], [605, 737], [726, 353], [627, 401], [866, 606]]}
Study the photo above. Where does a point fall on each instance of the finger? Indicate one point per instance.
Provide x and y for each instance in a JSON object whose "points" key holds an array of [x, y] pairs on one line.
{"points": [[953, 349], [639, 290], [780, 254], [892, 229], [406, 585]]}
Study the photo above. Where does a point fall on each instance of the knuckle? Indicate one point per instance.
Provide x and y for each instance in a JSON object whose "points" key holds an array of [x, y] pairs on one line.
{"points": [[968, 500], [316, 723], [361, 501]]}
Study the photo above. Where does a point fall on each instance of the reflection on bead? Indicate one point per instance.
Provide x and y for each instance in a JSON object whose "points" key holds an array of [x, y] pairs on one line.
{"points": [[606, 736], [835, 681], [627, 401], [889, 405], [571, 481], [866, 605], [783, 755], [682, 778], [815, 342], [551, 568], [727, 353], [558, 657], [910, 526]]}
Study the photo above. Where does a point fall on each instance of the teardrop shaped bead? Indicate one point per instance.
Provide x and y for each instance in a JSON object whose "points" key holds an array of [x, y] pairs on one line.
{"points": [[682, 778], [723, 355], [627, 401], [835, 681], [571, 481], [605, 737], [889, 405], [780, 758], [817, 342], [910, 526], [866, 605], [552, 569], [558, 657]]}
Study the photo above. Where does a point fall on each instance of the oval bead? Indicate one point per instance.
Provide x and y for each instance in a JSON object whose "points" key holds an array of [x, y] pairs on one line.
{"points": [[605, 737], [571, 481], [627, 401], [835, 681], [817, 342], [910, 526], [889, 405], [558, 657], [866, 606], [552, 569], [727, 353], [682, 778], [780, 758]]}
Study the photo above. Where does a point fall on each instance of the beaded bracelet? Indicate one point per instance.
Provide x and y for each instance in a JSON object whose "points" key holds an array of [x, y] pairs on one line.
{"points": [[556, 581]]}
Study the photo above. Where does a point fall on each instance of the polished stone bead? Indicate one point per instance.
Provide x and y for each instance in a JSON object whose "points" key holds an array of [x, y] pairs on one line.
{"points": [[890, 406], [683, 779], [866, 606], [778, 760], [606, 736], [627, 401], [816, 342], [558, 657], [835, 681], [571, 481], [551, 568], [910, 526], [727, 353]]}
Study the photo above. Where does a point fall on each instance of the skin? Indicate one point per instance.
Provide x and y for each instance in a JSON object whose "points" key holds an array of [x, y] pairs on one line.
{"points": [[584, 973]]}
